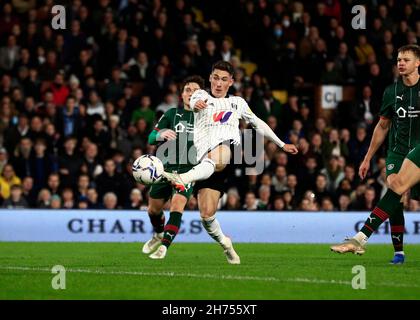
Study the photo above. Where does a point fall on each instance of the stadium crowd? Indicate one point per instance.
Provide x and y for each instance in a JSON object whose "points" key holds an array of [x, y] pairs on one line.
{"points": [[77, 105]]}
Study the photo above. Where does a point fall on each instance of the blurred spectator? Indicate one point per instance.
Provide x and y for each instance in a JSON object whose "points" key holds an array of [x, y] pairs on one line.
{"points": [[144, 112], [344, 203], [363, 49], [333, 173], [136, 200], [278, 204], [232, 200], [16, 199], [44, 199], [8, 178], [9, 54], [54, 183], [263, 201], [110, 201], [251, 202], [67, 196], [28, 191], [111, 181], [69, 163], [92, 196], [55, 202], [327, 204], [3, 158], [367, 201]]}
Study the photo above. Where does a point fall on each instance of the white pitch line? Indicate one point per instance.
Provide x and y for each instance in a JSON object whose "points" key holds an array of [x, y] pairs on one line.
{"points": [[209, 276]]}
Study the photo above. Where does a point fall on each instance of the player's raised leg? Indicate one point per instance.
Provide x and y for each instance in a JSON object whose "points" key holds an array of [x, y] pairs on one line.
{"points": [[157, 219], [408, 176], [216, 161], [207, 202]]}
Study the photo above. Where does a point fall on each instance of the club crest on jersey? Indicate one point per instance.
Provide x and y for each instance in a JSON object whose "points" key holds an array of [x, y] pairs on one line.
{"points": [[222, 117], [390, 166]]}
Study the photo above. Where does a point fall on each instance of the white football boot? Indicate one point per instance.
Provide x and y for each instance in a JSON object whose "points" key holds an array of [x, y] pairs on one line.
{"points": [[231, 255], [152, 244], [160, 253]]}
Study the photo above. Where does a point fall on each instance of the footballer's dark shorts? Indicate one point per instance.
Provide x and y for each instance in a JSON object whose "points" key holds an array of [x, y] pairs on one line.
{"points": [[394, 162], [165, 191], [414, 156], [218, 180]]}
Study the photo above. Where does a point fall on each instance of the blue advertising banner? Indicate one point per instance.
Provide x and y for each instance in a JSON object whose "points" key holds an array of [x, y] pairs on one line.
{"points": [[242, 226]]}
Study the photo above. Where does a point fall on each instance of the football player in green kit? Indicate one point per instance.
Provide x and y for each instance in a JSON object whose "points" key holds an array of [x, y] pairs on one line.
{"points": [[176, 127], [400, 118]]}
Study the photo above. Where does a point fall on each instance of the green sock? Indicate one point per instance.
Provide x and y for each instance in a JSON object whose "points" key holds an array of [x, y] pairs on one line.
{"points": [[157, 221], [397, 228], [171, 228], [388, 205]]}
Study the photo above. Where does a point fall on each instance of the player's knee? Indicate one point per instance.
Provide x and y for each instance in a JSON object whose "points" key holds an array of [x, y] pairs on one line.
{"points": [[398, 186], [178, 205], [219, 167], [207, 211], [154, 210]]}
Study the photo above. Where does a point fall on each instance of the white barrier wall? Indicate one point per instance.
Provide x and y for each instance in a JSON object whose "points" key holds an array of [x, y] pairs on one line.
{"points": [[242, 226]]}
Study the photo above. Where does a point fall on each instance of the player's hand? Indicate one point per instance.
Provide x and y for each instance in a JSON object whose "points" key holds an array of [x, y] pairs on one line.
{"points": [[200, 105], [363, 169], [290, 148], [167, 134]]}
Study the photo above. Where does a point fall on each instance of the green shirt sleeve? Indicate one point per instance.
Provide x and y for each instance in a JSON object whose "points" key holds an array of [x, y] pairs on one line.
{"points": [[163, 123], [388, 102]]}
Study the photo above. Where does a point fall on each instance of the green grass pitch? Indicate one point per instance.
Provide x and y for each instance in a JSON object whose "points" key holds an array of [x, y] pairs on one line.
{"points": [[200, 271]]}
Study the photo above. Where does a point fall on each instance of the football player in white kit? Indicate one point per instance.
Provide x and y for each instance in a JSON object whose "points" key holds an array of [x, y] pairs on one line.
{"points": [[216, 128]]}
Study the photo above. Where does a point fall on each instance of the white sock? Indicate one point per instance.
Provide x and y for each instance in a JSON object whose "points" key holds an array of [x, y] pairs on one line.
{"points": [[361, 237], [399, 252], [212, 227], [201, 171]]}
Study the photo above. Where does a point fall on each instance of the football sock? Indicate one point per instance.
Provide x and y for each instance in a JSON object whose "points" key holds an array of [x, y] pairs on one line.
{"points": [[171, 228], [397, 223], [212, 227], [398, 252], [157, 221], [361, 237], [388, 205], [201, 171]]}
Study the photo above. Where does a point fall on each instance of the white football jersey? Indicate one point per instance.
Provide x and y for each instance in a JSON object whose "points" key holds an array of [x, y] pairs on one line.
{"points": [[219, 121]]}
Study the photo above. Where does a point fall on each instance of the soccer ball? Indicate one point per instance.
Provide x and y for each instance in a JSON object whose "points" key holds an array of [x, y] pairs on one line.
{"points": [[147, 169]]}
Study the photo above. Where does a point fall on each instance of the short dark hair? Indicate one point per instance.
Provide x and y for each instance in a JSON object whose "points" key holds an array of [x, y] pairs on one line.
{"points": [[193, 79], [224, 66], [415, 49]]}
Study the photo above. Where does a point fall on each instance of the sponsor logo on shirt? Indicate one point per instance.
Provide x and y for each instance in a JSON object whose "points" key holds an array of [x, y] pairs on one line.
{"points": [[222, 117]]}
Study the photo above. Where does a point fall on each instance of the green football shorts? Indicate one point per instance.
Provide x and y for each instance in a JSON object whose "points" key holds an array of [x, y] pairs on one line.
{"points": [[165, 191], [414, 156]]}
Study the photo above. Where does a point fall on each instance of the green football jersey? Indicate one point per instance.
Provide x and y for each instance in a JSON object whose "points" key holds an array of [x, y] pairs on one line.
{"points": [[179, 155], [400, 104]]}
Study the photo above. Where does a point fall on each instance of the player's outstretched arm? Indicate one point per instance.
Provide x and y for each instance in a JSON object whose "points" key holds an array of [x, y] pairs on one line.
{"points": [[257, 123]]}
